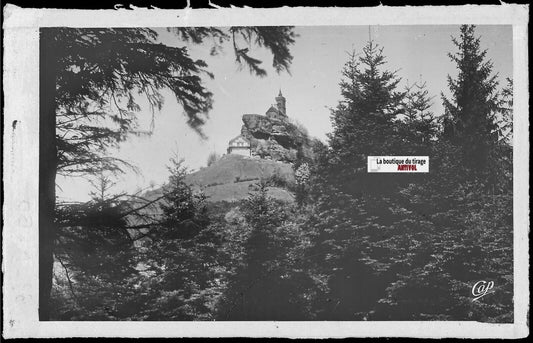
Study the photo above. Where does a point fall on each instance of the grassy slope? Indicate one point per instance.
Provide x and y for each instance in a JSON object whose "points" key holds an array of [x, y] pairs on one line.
{"points": [[230, 178], [232, 168]]}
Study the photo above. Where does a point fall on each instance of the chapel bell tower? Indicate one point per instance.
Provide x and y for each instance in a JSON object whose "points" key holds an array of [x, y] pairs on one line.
{"points": [[280, 102]]}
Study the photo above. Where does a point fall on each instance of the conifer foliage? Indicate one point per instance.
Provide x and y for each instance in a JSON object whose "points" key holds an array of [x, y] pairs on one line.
{"points": [[470, 111], [399, 247], [269, 283], [353, 246], [90, 84]]}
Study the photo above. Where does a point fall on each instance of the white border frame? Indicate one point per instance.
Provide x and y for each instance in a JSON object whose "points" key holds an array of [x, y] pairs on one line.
{"points": [[20, 231]]}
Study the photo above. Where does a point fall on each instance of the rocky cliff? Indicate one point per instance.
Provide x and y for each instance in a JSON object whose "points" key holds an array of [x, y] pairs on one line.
{"points": [[275, 138]]}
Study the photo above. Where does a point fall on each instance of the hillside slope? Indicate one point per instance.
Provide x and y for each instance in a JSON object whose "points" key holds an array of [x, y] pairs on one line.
{"points": [[232, 176]]}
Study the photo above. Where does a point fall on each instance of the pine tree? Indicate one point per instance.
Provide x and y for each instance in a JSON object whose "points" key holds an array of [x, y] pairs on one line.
{"points": [[184, 211], [175, 260], [352, 212], [363, 121], [505, 120], [467, 223], [90, 84], [420, 122], [96, 257], [470, 111], [269, 284]]}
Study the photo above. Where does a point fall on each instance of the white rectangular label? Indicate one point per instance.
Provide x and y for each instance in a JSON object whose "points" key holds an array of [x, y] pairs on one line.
{"points": [[398, 164]]}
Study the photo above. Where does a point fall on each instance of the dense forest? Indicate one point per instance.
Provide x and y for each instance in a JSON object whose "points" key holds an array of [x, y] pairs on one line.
{"points": [[351, 246]]}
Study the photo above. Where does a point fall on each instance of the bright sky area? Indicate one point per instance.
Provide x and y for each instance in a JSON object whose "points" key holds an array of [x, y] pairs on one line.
{"points": [[417, 52]]}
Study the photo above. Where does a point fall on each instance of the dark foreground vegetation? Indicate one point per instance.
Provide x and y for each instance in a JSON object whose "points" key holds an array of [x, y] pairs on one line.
{"points": [[352, 246]]}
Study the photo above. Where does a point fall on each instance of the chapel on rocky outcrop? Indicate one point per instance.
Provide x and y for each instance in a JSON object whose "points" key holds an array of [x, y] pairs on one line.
{"points": [[271, 136], [280, 109], [240, 145]]}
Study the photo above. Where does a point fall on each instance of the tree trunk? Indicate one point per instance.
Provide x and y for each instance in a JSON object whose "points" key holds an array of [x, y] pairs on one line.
{"points": [[47, 168]]}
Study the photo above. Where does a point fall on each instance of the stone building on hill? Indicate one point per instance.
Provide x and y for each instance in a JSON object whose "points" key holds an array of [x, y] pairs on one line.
{"points": [[240, 146], [278, 110], [271, 136]]}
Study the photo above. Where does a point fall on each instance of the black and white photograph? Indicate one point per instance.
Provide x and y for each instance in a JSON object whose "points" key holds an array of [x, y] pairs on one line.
{"points": [[273, 173]]}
